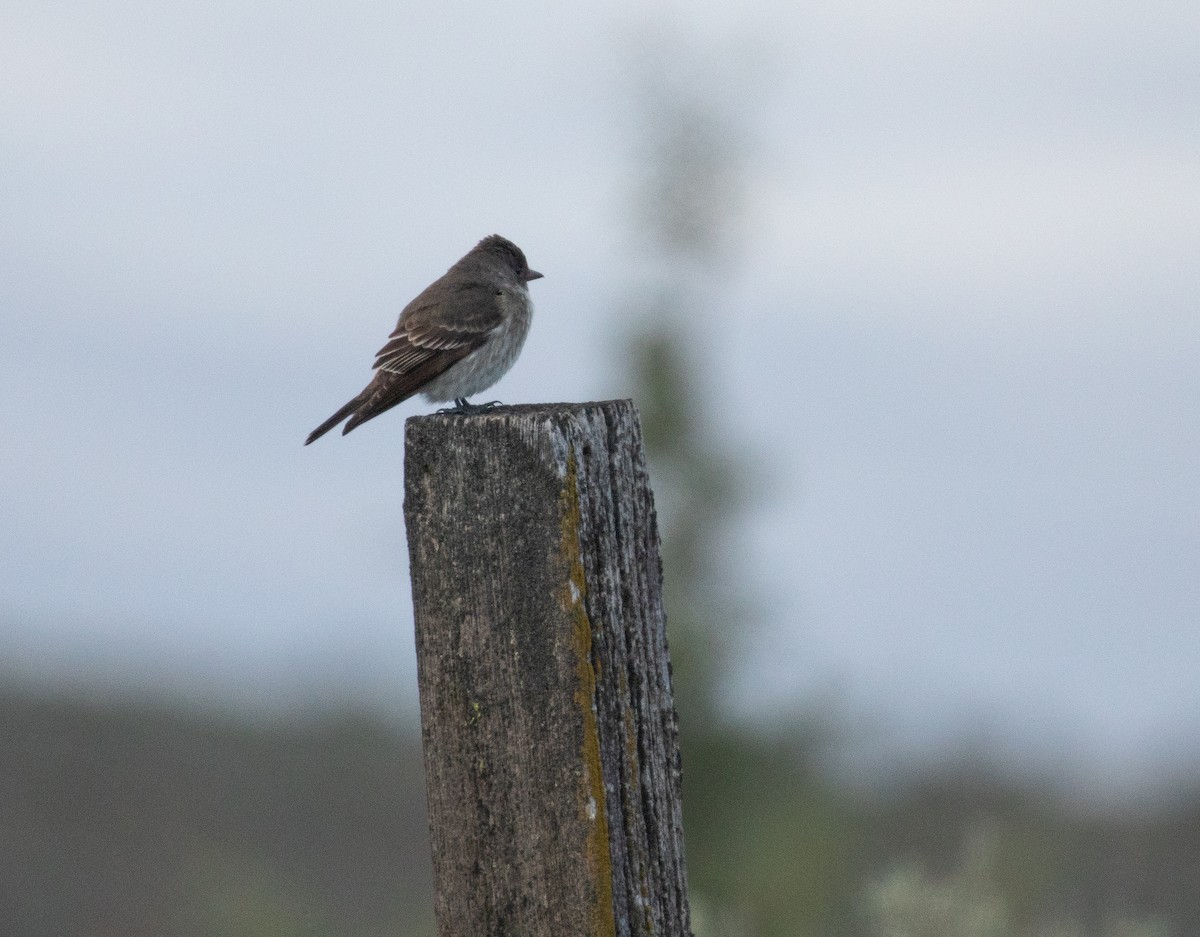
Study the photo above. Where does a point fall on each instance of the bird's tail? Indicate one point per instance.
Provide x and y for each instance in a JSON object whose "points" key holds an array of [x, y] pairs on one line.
{"points": [[334, 420]]}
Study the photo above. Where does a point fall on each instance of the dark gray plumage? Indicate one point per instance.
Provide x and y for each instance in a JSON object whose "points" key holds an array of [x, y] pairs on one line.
{"points": [[457, 338]]}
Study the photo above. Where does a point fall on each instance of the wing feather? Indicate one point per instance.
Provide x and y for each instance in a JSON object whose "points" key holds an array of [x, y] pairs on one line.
{"points": [[426, 331]]}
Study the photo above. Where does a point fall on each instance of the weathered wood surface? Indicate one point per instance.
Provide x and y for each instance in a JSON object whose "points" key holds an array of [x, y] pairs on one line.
{"points": [[551, 755]]}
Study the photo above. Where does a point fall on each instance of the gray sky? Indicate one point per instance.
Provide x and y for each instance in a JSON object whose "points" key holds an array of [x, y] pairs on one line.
{"points": [[966, 291]]}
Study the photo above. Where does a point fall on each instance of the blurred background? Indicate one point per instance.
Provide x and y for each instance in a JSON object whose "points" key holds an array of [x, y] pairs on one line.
{"points": [[907, 295]]}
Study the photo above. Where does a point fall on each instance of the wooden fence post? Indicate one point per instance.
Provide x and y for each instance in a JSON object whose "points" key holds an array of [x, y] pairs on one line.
{"points": [[551, 751]]}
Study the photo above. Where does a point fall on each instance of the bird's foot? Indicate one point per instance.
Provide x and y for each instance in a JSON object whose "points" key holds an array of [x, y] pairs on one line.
{"points": [[463, 406]]}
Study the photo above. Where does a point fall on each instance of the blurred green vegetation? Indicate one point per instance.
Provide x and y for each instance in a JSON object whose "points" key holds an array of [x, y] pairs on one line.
{"points": [[972, 900], [140, 818], [119, 818]]}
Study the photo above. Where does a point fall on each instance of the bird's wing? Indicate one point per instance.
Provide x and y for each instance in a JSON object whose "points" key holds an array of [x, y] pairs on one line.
{"points": [[442, 324]]}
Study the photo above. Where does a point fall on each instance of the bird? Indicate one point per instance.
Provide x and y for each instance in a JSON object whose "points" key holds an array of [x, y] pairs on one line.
{"points": [[458, 337]]}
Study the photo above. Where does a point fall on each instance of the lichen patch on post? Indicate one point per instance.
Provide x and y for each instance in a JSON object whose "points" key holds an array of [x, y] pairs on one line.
{"points": [[591, 794]]}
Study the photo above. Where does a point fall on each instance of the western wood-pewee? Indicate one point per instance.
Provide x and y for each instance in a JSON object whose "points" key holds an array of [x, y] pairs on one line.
{"points": [[457, 338]]}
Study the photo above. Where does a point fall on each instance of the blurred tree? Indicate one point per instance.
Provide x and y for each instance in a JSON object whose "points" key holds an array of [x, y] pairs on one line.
{"points": [[686, 203], [768, 839]]}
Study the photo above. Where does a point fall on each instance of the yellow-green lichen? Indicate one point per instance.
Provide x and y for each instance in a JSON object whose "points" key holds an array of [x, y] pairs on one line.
{"points": [[592, 804]]}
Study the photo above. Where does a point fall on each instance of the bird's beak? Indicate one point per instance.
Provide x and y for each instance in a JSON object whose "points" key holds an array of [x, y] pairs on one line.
{"points": [[532, 275]]}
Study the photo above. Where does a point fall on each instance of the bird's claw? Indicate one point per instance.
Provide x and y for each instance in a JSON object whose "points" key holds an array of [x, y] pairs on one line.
{"points": [[463, 406]]}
